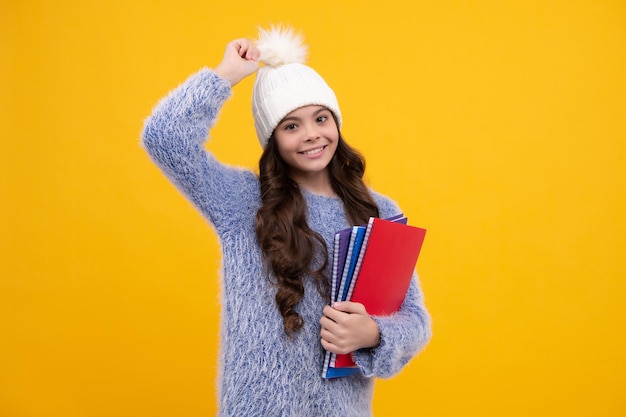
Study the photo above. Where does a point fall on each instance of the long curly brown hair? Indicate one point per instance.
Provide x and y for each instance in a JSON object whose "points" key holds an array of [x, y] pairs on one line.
{"points": [[291, 249]]}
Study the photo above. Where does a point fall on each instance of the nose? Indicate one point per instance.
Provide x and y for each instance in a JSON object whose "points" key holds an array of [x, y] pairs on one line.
{"points": [[312, 132]]}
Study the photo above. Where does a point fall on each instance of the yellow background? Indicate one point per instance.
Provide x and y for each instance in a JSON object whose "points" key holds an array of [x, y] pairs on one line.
{"points": [[497, 125]]}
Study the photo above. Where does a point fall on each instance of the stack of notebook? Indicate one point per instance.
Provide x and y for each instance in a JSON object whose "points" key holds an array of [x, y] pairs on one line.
{"points": [[372, 265]]}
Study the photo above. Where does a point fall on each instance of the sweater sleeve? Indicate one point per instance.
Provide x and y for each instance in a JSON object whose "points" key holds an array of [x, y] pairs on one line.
{"points": [[174, 136], [402, 336]]}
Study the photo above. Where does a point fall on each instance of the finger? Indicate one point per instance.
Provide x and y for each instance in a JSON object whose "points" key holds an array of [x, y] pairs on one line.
{"points": [[255, 54], [328, 336], [247, 50], [252, 53], [332, 348], [328, 346], [241, 47], [350, 307], [327, 323], [333, 314]]}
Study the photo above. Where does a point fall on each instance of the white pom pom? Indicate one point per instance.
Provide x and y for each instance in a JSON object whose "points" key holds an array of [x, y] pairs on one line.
{"points": [[280, 46]]}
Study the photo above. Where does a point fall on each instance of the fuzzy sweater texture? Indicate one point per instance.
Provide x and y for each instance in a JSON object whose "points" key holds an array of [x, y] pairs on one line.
{"points": [[262, 372]]}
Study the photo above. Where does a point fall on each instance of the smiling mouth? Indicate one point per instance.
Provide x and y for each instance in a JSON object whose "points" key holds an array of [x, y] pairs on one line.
{"points": [[313, 151]]}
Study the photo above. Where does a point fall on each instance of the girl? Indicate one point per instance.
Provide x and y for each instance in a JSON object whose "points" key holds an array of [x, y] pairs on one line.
{"points": [[275, 230]]}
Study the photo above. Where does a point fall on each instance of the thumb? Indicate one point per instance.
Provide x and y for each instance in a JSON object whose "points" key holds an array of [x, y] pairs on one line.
{"points": [[350, 307]]}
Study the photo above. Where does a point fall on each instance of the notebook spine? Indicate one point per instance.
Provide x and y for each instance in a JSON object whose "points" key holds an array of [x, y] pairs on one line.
{"points": [[347, 265], [334, 283], [357, 268]]}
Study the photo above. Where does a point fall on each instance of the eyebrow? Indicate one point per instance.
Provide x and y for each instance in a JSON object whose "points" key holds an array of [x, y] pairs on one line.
{"points": [[297, 119]]}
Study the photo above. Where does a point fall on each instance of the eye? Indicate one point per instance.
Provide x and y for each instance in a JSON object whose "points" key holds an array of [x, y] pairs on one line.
{"points": [[322, 118], [289, 126]]}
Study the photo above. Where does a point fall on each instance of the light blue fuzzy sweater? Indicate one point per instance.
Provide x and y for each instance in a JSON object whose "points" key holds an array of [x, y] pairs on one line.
{"points": [[261, 371]]}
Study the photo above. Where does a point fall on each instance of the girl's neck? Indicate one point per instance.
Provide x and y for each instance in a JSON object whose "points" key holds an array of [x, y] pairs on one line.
{"points": [[326, 192], [316, 184]]}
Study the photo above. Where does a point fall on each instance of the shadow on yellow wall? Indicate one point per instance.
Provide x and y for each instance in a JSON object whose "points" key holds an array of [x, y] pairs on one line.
{"points": [[498, 126]]}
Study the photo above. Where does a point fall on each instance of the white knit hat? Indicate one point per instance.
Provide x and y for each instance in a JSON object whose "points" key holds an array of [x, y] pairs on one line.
{"points": [[284, 83]]}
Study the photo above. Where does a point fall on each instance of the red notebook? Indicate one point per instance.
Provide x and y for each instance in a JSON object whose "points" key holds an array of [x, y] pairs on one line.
{"points": [[384, 269]]}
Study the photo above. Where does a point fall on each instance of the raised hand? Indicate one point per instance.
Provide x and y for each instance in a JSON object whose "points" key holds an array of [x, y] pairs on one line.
{"points": [[241, 59]]}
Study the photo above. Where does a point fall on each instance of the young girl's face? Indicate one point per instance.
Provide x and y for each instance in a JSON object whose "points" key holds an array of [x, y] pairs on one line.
{"points": [[307, 140]]}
